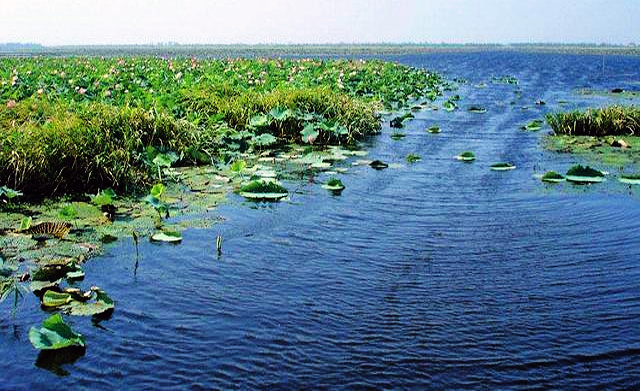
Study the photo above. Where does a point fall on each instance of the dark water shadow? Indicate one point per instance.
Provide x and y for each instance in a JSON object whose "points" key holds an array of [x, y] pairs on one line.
{"points": [[53, 360]]}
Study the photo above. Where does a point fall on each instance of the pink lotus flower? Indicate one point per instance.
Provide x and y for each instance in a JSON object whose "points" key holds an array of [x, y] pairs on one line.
{"points": [[11, 104]]}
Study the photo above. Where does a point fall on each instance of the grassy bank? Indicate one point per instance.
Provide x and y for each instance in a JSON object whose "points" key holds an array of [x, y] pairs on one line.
{"points": [[608, 121], [76, 125]]}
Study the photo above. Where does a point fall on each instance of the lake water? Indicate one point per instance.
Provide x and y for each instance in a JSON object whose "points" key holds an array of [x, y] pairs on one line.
{"points": [[433, 275]]}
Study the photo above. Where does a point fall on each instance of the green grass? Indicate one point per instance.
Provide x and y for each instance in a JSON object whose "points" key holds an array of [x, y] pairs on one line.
{"points": [[609, 121]]}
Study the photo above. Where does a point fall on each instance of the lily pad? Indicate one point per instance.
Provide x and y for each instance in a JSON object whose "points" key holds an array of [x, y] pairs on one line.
{"points": [[579, 174], [267, 190], [54, 334], [335, 185], [502, 166], [466, 156], [477, 110], [552, 177], [99, 302], [378, 164], [630, 179], [434, 129], [397, 136], [167, 236], [55, 299], [449, 106], [534, 125], [412, 158]]}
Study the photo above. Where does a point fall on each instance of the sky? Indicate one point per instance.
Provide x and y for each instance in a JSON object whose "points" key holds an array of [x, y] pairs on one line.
{"points": [[76, 22]]}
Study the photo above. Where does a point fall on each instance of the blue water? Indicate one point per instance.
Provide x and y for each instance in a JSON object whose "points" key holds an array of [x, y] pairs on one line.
{"points": [[434, 275]]}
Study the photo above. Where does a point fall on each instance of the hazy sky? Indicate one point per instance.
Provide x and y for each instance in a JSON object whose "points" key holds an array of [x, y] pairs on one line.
{"points": [[55, 22]]}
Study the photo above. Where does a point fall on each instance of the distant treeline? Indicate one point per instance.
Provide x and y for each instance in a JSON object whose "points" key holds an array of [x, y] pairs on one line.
{"points": [[274, 50]]}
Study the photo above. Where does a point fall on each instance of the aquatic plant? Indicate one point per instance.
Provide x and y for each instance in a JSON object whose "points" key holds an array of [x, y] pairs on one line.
{"points": [[534, 125], [398, 122], [434, 129], [630, 179], [398, 136], [334, 185], [477, 109], [466, 156], [502, 166], [612, 120], [54, 334], [378, 165], [263, 190], [580, 174], [553, 177], [167, 236], [412, 158]]}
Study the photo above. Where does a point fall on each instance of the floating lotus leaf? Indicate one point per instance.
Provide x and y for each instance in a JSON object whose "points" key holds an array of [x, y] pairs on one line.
{"points": [[98, 303], [477, 109], [167, 236], [38, 286], [586, 174], [334, 185], [553, 177], [466, 156], [449, 105], [434, 129], [412, 158], [630, 179], [397, 135], [54, 334], [502, 166], [378, 164], [55, 299], [534, 125], [263, 190]]}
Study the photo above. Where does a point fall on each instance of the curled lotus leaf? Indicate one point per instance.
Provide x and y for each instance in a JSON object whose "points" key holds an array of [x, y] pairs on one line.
{"points": [[54, 334]]}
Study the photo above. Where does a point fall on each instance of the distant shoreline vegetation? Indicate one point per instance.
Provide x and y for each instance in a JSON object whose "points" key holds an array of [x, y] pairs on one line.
{"points": [[241, 50]]}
